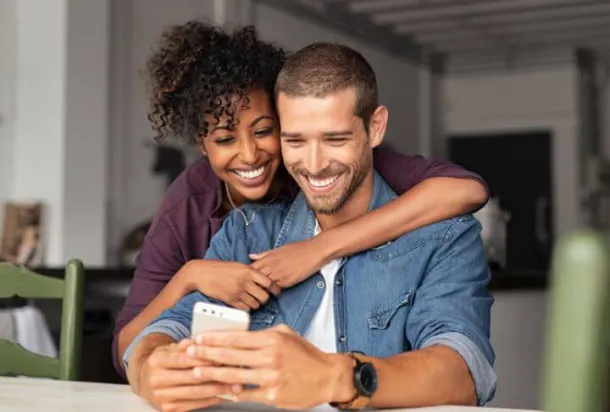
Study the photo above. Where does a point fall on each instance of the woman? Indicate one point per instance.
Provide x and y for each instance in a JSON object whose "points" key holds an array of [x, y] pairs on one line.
{"points": [[216, 89]]}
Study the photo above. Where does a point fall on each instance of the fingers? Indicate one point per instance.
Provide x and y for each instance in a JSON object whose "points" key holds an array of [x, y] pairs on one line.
{"points": [[234, 357], [258, 395], [258, 293], [184, 343], [173, 360], [185, 406], [171, 378], [241, 340], [197, 392], [258, 256], [275, 289], [241, 306], [249, 301], [266, 282], [241, 376]]}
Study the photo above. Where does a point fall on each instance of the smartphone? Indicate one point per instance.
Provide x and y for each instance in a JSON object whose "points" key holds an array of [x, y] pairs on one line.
{"points": [[208, 317]]}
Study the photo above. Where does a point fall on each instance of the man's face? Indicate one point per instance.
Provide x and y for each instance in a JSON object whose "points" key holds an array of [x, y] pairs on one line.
{"points": [[325, 147]]}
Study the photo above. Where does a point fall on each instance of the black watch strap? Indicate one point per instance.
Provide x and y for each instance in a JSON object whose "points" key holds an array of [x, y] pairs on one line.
{"points": [[360, 400]]}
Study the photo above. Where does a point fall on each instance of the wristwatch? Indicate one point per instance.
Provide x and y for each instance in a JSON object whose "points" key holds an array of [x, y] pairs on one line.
{"points": [[365, 383]]}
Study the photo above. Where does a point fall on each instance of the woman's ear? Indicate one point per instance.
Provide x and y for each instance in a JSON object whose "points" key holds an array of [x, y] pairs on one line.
{"points": [[378, 125], [202, 147]]}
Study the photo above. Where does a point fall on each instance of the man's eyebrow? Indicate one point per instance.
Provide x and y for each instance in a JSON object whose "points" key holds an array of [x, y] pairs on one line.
{"points": [[259, 118], [338, 133], [332, 133]]}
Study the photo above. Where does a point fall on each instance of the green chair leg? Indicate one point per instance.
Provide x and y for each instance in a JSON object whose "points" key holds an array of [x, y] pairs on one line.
{"points": [[578, 331], [72, 322]]}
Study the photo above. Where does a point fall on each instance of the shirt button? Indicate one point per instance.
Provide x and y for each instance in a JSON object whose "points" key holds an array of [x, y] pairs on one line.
{"points": [[339, 282], [342, 339], [320, 285]]}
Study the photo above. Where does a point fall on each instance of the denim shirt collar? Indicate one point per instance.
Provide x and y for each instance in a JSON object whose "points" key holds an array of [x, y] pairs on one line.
{"points": [[300, 222]]}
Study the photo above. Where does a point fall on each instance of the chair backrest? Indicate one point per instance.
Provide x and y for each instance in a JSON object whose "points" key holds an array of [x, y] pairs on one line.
{"points": [[18, 281], [578, 334]]}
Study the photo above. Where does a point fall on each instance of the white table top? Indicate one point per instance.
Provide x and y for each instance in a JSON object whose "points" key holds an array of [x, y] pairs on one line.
{"points": [[42, 395]]}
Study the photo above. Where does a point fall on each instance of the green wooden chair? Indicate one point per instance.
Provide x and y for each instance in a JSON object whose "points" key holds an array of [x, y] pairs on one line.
{"points": [[578, 335], [18, 281]]}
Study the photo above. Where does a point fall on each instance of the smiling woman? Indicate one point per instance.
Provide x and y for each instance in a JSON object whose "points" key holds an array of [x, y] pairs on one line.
{"points": [[246, 156], [216, 89]]}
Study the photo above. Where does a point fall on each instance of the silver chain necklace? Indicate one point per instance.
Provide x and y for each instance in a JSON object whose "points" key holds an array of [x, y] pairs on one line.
{"points": [[241, 211]]}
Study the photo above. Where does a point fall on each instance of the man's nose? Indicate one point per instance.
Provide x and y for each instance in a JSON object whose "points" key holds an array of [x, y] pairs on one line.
{"points": [[315, 159]]}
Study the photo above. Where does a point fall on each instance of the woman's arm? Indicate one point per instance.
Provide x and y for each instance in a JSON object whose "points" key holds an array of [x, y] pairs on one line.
{"points": [[430, 201], [431, 191], [233, 283]]}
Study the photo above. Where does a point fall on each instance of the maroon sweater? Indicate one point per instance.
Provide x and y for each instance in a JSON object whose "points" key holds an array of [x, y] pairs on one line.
{"points": [[190, 214]]}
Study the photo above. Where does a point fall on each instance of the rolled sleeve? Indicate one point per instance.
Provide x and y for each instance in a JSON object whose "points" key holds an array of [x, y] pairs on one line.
{"points": [[483, 375], [176, 330]]}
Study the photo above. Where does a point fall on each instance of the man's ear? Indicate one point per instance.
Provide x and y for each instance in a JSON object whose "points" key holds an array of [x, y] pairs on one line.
{"points": [[378, 125]]}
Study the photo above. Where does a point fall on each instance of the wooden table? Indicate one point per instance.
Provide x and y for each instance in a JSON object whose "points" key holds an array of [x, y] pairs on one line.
{"points": [[41, 395]]}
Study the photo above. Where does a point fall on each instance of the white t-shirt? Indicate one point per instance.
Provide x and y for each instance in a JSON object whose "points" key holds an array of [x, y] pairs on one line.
{"points": [[321, 332]]}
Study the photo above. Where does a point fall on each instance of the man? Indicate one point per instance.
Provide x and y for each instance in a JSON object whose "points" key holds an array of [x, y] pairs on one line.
{"points": [[418, 307]]}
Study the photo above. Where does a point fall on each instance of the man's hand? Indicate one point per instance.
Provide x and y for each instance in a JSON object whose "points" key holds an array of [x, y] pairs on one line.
{"points": [[288, 371], [238, 285], [292, 263], [168, 382]]}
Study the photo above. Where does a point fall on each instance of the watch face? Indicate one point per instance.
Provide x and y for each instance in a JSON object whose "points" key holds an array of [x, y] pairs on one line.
{"points": [[367, 379]]}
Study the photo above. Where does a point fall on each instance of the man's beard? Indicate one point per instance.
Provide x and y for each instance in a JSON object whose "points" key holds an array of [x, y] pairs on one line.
{"points": [[323, 204]]}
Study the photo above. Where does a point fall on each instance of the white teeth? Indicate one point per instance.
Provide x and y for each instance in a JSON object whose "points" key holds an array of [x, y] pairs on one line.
{"points": [[322, 182], [251, 174]]}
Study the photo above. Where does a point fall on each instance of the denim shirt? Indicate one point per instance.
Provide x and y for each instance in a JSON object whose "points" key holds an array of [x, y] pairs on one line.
{"points": [[427, 287]]}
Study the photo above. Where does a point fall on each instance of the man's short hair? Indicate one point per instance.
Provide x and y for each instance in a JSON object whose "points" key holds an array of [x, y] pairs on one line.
{"points": [[322, 69]]}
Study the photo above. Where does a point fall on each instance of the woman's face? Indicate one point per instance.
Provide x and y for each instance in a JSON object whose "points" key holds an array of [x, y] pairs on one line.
{"points": [[247, 156]]}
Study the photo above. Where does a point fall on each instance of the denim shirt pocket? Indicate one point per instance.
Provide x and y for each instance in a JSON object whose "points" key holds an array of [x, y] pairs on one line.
{"points": [[380, 319], [398, 247], [393, 315]]}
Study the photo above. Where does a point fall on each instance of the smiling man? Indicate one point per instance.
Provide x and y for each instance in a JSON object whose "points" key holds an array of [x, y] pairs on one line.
{"points": [[405, 324]]}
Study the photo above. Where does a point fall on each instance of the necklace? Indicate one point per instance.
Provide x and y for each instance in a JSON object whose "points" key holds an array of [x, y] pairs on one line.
{"points": [[241, 211]]}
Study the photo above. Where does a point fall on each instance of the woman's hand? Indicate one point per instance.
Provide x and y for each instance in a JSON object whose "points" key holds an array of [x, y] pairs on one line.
{"points": [[292, 263], [238, 285]]}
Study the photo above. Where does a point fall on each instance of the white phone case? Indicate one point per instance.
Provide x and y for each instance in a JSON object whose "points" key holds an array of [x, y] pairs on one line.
{"points": [[208, 317]]}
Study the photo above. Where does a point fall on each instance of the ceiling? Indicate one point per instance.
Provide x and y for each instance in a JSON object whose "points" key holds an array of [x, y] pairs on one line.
{"points": [[474, 34]]}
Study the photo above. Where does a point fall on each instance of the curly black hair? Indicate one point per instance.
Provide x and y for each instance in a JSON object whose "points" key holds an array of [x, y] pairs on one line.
{"points": [[198, 69]]}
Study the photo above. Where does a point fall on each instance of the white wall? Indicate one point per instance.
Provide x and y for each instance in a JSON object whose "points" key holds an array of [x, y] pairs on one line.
{"points": [[8, 66], [86, 145], [60, 123], [137, 24], [41, 112], [512, 102], [518, 327], [398, 80]]}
